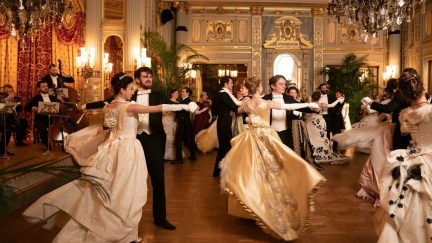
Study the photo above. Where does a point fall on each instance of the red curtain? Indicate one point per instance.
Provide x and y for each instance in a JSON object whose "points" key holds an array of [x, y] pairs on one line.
{"points": [[34, 56], [73, 34]]}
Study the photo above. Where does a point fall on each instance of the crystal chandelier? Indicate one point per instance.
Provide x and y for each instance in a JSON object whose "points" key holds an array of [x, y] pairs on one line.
{"points": [[27, 17], [370, 16]]}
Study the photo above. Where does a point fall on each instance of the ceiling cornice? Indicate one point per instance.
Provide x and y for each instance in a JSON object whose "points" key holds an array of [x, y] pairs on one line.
{"points": [[256, 3]]}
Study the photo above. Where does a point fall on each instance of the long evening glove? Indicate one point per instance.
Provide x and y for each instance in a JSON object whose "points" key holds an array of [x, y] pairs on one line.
{"points": [[299, 106]]}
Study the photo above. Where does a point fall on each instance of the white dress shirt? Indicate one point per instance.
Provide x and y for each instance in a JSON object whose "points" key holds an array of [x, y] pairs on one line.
{"points": [[144, 119], [278, 122], [45, 97], [324, 99], [54, 79]]}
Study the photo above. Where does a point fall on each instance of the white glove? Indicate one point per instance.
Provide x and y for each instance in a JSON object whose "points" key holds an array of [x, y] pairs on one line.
{"points": [[297, 113], [166, 107], [295, 106], [192, 107], [84, 107], [366, 101], [313, 106]]}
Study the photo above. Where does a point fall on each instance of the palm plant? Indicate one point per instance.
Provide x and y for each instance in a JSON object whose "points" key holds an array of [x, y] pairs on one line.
{"points": [[351, 80], [8, 193], [170, 62]]}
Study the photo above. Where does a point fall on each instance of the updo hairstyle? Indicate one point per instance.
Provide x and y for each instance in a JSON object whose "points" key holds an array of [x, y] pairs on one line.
{"points": [[411, 85], [252, 84], [120, 81], [316, 95], [292, 88]]}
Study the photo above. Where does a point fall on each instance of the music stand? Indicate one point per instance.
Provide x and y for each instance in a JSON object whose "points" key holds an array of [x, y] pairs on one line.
{"points": [[63, 92], [49, 109], [5, 110]]}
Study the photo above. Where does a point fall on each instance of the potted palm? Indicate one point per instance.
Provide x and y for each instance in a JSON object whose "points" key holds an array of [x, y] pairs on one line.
{"points": [[171, 63], [349, 77]]}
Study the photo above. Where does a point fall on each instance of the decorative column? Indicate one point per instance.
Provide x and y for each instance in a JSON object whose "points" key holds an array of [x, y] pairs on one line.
{"points": [[182, 18], [135, 21], [91, 89], [256, 13], [394, 50], [318, 28]]}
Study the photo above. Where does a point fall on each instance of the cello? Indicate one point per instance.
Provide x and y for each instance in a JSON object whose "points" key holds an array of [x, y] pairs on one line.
{"points": [[70, 119]]}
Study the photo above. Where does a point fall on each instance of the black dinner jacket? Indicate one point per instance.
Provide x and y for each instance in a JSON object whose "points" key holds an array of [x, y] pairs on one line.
{"points": [[60, 81], [99, 104], [331, 98], [395, 106], [182, 115]]}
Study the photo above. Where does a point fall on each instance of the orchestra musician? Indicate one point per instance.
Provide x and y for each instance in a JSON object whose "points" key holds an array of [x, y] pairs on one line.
{"points": [[55, 79], [41, 121], [13, 123]]}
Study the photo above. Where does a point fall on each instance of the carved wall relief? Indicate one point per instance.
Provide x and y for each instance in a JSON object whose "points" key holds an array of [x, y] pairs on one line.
{"points": [[219, 31]]}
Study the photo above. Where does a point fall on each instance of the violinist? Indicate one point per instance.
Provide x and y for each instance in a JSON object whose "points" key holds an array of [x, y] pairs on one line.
{"points": [[41, 121], [56, 79], [13, 123]]}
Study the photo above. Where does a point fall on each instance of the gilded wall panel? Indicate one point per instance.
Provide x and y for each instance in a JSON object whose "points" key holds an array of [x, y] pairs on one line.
{"points": [[219, 31], [331, 33], [243, 36], [196, 31]]}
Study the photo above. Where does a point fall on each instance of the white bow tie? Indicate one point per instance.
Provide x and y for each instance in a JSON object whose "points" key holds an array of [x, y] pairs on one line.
{"points": [[144, 91], [277, 96]]}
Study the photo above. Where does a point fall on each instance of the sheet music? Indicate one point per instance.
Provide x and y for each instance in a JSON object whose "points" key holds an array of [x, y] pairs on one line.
{"points": [[63, 92], [48, 107], [8, 107]]}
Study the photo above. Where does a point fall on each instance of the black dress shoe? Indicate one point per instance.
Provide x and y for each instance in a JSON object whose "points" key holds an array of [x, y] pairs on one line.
{"points": [[165, 225], [177, 162], [21, 144], [10, 153]]}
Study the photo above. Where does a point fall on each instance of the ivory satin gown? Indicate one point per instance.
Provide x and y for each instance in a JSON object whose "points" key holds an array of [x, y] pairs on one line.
{"points": [[119, 166]]}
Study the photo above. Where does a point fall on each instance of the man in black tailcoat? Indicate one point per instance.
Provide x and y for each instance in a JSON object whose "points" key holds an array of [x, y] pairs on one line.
{"points": [[327, 113], [395, 106], [184, 129], [152, 137], [56, 79], [223, 104]]}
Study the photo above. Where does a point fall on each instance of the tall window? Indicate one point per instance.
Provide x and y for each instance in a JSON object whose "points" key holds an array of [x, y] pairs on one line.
{"points": [[284, 65]]}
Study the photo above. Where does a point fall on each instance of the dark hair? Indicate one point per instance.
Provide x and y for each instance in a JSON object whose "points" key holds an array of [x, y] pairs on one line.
{"points": [[8, 86], [120, 81], [316, 95], [137, 73], [40, 82], [172, 91], [188, 90], [252, 84], [410, 71], [225, 80], [51, 65], [322, 84], [391, 85], [292, 87], [273, 80], [411, 86], [340, 91]]}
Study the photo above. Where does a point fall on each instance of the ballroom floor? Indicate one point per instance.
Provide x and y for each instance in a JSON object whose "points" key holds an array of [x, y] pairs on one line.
{"points": [[199, 210]]}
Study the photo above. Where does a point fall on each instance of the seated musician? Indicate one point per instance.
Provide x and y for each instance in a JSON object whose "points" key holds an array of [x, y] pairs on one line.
{"points": [[56, 79], [13, 123], [41, 121]]}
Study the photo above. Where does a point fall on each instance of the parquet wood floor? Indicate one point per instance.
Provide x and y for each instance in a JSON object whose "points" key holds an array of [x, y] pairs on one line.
{"points": [[199, 210]]}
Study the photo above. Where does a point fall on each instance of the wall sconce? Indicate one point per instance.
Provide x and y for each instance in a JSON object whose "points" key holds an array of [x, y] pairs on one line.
{"points": [[389, 73], [86, 62], [141, 58], [190, 77], [227, 72], [108, 67]]}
